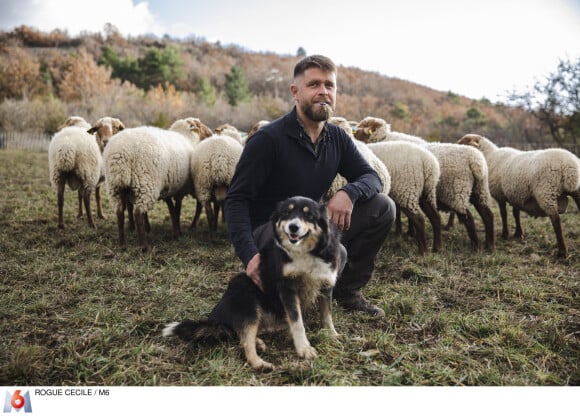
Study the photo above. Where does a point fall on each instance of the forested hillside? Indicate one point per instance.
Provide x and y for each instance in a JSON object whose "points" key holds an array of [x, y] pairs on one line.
{"points": [[45, 77]]}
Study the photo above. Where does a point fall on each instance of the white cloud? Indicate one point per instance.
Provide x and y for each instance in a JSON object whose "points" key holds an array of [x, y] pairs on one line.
{"points": [[87, 16]]}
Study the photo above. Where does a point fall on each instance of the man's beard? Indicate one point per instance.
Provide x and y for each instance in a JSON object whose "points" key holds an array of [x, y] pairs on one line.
{"points": [[316, 112]]}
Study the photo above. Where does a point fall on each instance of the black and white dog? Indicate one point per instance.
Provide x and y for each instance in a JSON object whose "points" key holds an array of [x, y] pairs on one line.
{"points": [[298, 268]]}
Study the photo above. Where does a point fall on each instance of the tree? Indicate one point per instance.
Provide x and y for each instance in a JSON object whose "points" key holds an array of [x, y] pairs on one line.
{"points": [[555, 102], [84, 79], [20, 74], [301, 52], [237, 89], [207, 92]]}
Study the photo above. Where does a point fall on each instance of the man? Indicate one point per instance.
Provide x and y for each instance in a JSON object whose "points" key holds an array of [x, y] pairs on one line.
{"points": [[300, 154]]}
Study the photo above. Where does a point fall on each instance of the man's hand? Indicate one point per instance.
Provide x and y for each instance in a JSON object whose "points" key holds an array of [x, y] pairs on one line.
{"points": [[253, 271], [340, 209]]}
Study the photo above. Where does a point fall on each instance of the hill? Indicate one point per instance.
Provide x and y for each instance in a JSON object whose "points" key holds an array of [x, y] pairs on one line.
{"points": [[45, 77]]}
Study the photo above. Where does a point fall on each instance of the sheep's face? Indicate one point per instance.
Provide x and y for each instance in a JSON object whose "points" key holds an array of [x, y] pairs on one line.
{"points": [[473, 140], [197, 127], [105, 128], [367, 127]]}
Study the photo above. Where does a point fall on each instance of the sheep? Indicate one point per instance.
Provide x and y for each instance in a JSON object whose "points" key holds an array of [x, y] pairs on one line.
{"points": [[537, 182], [415, 174], [464, 177], [257, 126], [103, 129], [212, 167], [229, 130], [145, 164], [369, 156], [74, 157]]}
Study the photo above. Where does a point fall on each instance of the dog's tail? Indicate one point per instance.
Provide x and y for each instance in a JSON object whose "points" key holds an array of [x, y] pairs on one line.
{"points": [[196, 331]]}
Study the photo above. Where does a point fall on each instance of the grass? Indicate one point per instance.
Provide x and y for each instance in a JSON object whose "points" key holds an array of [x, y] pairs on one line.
{"points": [[75, 310]]}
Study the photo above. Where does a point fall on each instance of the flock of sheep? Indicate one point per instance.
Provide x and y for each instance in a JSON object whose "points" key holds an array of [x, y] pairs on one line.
{"points": [[142, 165]]}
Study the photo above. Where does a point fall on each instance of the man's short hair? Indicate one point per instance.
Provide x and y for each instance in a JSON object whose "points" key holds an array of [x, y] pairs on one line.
{"points": [[314, 61]]}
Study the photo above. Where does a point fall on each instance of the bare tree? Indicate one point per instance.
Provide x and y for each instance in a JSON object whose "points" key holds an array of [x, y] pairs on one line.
{"points": [[555, 101]]}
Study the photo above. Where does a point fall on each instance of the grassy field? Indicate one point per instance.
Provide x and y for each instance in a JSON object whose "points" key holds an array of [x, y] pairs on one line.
{"points": [[75, 310]]}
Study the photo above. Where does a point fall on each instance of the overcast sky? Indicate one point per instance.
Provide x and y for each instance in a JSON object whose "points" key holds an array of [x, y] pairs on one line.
{"points": [[473, 48]]}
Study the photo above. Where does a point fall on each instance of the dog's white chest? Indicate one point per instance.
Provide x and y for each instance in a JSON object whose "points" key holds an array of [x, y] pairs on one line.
{"points": [[314, 273]]}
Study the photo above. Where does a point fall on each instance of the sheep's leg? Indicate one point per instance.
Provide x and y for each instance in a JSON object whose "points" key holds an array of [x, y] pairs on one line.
{"points": [[467, 220], [519, 233], [60, 203], [435, 220], [87, 201], [140, 226], [121, 223], [557, 224], [198, 209], [576, 196], [450, 221], [398, 224], [504, 220], [80, 206], [131, 215], [172, 210], [99, 204], [487, 218], [177, 216], [210, 216], [419, 225]]}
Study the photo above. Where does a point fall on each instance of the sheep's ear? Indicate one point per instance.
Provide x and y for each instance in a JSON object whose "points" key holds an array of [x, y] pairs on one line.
{"points": [[118, 124], [92, 130]]}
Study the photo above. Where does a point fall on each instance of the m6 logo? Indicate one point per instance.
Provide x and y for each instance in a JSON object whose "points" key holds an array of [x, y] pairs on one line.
{"points": [[17, 402]]}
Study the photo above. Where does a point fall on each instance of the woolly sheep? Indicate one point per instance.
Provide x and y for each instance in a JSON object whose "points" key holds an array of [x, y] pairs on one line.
{"points": [[229, 130], [414, 176], [75, 158], [369, 156], [463, 181], [212, 167], [257, 126], [145, 164], [537, 182]]}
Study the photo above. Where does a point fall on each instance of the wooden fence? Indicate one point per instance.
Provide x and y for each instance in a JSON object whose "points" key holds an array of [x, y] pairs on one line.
{"points": [[24, 140]]}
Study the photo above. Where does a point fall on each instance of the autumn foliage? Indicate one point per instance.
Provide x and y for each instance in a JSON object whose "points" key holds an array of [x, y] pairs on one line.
{"points": [[145, 80]]}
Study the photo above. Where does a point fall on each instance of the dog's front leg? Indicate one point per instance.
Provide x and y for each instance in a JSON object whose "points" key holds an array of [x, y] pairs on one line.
{"points": [[291, 303], [325, 305]]}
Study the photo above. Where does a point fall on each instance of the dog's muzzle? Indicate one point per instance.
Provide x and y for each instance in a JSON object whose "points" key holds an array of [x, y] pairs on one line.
{"points": [[296, 231]]}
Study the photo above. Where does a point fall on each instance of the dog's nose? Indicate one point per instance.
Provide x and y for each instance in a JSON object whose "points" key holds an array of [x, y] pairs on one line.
{"points": [[293, 228]]}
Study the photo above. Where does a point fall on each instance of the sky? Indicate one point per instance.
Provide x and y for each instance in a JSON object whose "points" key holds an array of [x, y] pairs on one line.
{"points": [[473, 48]]}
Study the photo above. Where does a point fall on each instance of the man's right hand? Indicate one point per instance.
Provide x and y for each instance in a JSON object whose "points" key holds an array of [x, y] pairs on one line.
{"points": [[253, 271]]}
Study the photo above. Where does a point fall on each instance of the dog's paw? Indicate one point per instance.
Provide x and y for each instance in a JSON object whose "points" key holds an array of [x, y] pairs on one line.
{"points": [[308, 352], [262, 366]]}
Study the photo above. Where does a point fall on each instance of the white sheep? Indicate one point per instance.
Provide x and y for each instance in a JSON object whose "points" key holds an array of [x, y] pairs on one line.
{"points": [[145, 164], [377, 165], [537, 182], [231, 131], [414, 176], [74, 157], [212, 167], [463, 181]]}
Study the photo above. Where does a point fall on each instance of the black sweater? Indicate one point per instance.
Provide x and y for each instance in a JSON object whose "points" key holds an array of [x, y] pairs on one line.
{"points": [[279, 161]]}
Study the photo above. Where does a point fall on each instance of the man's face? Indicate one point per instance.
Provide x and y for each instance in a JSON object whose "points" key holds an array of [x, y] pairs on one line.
{"points": [[312, 90]]}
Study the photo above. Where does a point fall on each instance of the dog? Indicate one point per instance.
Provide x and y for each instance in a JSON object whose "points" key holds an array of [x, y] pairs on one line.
{"points": [[298, 268]]}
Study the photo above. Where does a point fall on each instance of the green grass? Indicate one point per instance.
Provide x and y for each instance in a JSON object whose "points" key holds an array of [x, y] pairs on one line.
{"points": [[75, 309]]}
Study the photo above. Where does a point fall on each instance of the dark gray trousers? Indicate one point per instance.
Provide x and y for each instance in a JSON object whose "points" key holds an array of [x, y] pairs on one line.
{"points": [[370, 223]]}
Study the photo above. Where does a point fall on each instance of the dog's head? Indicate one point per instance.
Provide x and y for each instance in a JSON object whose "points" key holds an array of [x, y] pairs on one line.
{"points": [[300, 223]]}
